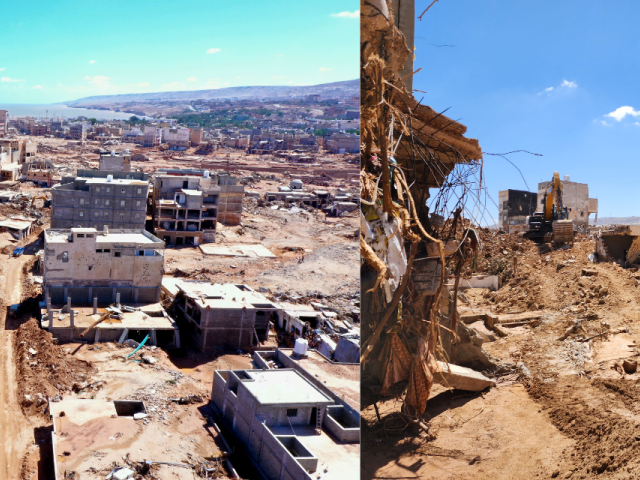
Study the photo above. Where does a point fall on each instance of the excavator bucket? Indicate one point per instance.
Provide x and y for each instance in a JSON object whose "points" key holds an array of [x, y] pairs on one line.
{"points": [[563, 232]]}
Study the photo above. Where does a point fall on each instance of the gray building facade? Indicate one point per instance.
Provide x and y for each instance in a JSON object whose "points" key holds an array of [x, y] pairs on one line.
{"points": [[97, 199]]}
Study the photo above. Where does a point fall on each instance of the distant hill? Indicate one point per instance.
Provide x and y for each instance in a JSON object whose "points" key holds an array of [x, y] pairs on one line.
{"points": [[615, 221], [349, 88]]}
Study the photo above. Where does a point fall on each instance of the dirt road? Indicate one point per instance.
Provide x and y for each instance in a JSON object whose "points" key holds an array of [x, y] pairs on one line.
{"points": [[15, 433]]}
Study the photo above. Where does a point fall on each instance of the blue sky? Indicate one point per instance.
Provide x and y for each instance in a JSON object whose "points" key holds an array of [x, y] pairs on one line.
{"points": [[556, 78], [64, 50]]}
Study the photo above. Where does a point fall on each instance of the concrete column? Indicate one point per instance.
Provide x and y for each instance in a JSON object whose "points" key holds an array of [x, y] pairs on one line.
{"points": [[95, 305], [113, 294], [118, 298], [72, 319], [68, 304], [154, 338], [50, 313], [97, 337]]}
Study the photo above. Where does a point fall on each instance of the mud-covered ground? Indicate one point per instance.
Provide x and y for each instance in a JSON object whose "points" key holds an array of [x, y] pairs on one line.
{"points": [[575, 415]]}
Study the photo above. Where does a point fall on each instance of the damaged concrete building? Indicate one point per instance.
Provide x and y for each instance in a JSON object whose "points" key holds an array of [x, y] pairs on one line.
{"points": [[222, 315], [514, 206], [115, 162], [85, 269], [288, 424], [575, 196], [97, 199], [619, 244], [185, 208]]}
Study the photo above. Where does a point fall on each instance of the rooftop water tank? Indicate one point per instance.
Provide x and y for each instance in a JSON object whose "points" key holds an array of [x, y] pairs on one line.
{"points": [[300, 348], [206, 174], [109, 178]]}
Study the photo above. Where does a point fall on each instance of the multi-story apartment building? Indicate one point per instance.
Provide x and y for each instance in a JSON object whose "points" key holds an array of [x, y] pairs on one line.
{"points": [[78, 131], [185, 208], [97, 199], [4, 122]]}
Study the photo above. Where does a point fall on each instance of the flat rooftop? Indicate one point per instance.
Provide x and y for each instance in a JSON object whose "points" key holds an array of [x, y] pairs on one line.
{"points": [[283, 387], [133, 237], [89, 436], [217, 295], [147, 317], [344, 380]]}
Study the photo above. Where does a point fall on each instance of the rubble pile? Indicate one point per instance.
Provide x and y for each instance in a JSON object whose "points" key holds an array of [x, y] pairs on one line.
{"points": [[44, 368]]}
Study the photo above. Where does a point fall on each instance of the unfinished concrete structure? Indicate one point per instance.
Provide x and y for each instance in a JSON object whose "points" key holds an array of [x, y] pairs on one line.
{"points": [[97, 199], [40, 172], [619, 244], [513, 208], [575, 196], [230, 195], [85, 269], [115, 162], [282, 419], [20, 151], [185, 209], [216, 315]]}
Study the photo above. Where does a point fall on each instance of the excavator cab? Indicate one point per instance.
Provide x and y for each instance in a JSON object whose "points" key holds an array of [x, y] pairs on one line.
{"points": [[552, 224]]}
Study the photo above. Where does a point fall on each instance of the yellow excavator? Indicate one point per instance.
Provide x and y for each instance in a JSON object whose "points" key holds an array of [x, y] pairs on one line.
{"points": [[552, 224]]}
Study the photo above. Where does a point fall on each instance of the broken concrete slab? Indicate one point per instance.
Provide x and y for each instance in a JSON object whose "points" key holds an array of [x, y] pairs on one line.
{"points": [[240, 250], [589, 272], [461, 378]]}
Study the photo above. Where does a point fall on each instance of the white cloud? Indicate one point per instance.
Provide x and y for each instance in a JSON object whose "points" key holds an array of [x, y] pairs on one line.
{"points": [[98, 81], [238, 76], [171, 85], [354, 14], [619, 113], [323, 69], [192, 79], [37, 87], [92, 61], [566, 84], [213, 50], [277, 77], [144, 84], [2, 69], [8, 79]]}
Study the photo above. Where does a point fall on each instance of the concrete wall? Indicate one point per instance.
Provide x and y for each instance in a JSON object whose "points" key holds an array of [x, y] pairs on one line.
{"points": [[343, 424], [269, 453], [230, 204], [229, 328], [513, 208], [86, 266]]}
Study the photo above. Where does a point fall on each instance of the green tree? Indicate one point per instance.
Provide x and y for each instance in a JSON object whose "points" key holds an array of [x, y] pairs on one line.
{"points": [[93, 121], [320, 133]]}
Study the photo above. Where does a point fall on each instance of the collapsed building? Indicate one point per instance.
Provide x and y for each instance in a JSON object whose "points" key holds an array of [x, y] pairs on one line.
{"points": [[514, 206], [619, 244], [96, 199], [404, 231], [105, 283], [289, 422], [575, 196], [40, 172], [217, 315]]}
